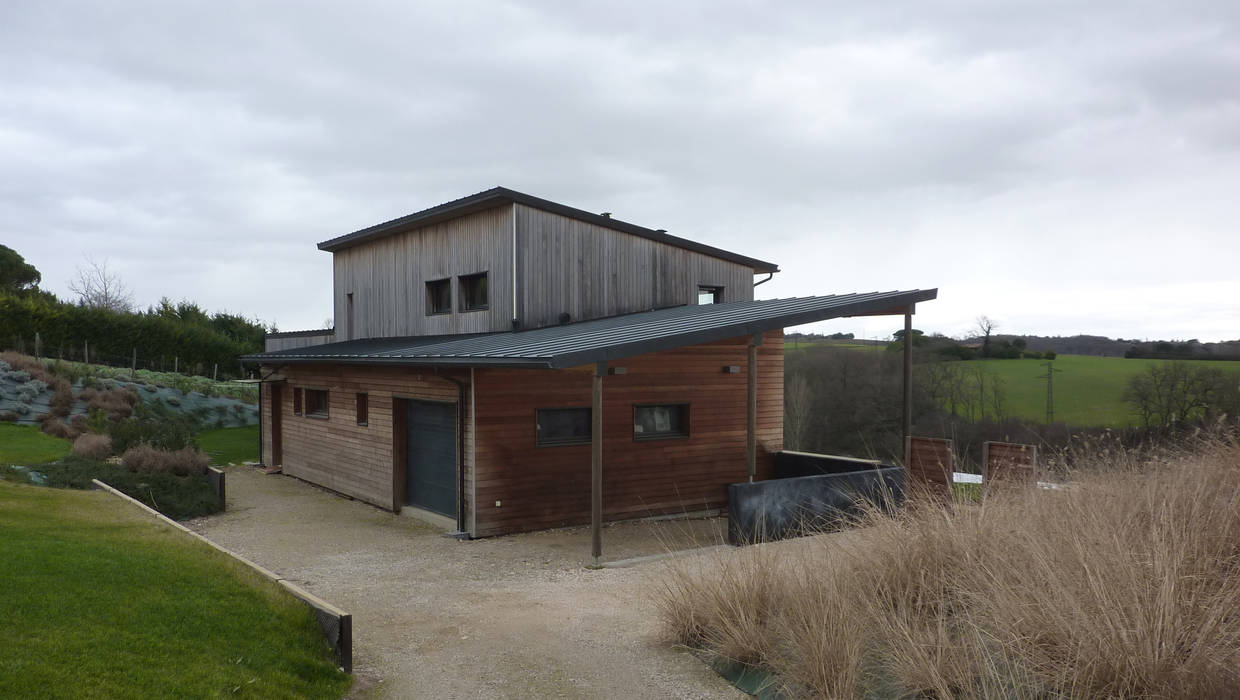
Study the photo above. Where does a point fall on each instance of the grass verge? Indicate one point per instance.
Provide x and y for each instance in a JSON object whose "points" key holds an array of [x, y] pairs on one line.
{"points": [[26, 444], [1124, 585], [102, 602], [230, 445]]}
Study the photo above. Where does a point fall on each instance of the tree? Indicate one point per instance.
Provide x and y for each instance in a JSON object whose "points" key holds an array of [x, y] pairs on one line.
{"points": [[986, 326], [99, 288], [16, 275], [1171, 393]]}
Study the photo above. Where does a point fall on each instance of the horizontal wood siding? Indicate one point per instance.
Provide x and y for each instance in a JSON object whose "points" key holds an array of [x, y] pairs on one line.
{"points": [[387, 278], [588, 271], [336, 452], [541, 487]]}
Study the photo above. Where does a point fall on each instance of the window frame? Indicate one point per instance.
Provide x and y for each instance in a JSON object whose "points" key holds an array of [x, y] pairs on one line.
{"points": [[430, 297], [322, 414], [363, 408], [716, 292], [539, 441], [297, 401], [463, 280], [685, 422]]}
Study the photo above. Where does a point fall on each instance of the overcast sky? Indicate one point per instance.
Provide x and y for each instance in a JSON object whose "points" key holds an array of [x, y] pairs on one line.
{"points": [[1061, 167]]}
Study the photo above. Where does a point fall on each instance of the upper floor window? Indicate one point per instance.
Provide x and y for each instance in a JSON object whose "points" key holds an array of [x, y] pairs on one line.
{"points": [[439, 297], [473, 292], [316, 403], [710, 295]]}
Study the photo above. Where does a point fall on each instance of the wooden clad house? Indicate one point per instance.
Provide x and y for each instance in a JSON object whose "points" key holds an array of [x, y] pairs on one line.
{"points": [[509, 363]]}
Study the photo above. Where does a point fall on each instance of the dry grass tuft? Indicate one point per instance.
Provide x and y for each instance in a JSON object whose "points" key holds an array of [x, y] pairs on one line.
{"points": [[1126, 584], [182, 462], [54, 426], [93, 446]]}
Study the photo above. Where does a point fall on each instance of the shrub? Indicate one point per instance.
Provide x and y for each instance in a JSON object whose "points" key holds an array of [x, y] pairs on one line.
{"points": [[92, 446], [54, 426], [1050, 355], [162, 432], [9, 416], [22, 408], [182, 462]]}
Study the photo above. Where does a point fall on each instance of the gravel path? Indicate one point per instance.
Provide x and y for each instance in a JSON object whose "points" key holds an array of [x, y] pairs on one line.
{"points": [[506, 617]]}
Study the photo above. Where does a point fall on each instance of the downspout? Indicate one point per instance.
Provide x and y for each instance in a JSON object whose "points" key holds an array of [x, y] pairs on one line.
{"points": [[769, 275], [460, 447]]}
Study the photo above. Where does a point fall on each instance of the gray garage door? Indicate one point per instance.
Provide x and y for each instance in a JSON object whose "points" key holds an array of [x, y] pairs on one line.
{"points": [[432, 456]]}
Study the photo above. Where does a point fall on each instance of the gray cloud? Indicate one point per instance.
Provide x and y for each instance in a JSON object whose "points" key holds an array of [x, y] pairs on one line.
{"points": [[1028, 158]]}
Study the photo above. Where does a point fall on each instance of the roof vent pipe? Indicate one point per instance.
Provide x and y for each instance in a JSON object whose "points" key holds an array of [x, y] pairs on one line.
{"points": [[606, 215]]}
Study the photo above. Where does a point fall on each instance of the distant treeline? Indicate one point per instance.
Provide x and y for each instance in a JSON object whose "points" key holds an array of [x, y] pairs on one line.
{"points": [[1187, 350], [1119, 347], [170, 330]]}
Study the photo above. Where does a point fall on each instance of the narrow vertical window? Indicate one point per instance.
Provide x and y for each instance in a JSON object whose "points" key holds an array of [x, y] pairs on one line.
{"points": [[363, 409], [349, 335], [297, 401]]}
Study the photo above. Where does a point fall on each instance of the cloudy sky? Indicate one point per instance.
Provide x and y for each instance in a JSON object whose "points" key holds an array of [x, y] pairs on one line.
{"points": [[1061, 167]]}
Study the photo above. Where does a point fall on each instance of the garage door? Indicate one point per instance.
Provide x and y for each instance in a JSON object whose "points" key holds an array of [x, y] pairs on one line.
{"points": [[432, 456]]}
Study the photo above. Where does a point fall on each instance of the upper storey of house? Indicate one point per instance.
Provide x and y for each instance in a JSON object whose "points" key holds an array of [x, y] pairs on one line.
{"points": [[501, 260]]}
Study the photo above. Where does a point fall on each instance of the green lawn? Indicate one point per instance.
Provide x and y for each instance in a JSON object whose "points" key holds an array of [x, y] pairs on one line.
{"points": [[27, 445], [102, 601], [1089, 390], [230, 445]]}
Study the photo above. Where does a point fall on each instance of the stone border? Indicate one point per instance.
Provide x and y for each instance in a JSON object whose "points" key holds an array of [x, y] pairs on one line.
{"points": [[337, 625]]}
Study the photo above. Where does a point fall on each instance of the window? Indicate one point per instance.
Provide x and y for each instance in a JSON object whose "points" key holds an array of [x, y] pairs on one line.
{"points": [[439, 297], [710, 295], [297, 401], [349, 317], [473, 292], [563, 426], [363, 409], [316, 403], [662, 421]]}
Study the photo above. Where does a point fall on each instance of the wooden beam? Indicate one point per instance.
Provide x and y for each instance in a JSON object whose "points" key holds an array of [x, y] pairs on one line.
{"points": [[596, 464], [907, 423], [751, 403]]}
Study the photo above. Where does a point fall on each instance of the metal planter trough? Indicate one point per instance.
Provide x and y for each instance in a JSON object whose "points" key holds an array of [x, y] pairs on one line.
{"points": [[810, 493]]}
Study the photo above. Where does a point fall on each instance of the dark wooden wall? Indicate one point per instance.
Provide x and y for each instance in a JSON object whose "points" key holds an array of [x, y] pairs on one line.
{"points": [[542, 487]]}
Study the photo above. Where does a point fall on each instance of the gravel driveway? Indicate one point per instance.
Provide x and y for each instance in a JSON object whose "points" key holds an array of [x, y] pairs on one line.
{"points": [[507, 617]]}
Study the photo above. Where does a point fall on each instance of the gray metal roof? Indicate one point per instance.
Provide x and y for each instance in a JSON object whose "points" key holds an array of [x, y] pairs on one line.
{"points": [[602, 339], [502, 195]]}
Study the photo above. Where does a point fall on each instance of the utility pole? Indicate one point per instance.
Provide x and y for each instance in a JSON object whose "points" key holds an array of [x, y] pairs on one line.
{"points": [[1050, 390]]}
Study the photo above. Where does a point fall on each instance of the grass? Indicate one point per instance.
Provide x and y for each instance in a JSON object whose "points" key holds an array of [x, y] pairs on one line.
{"points": [[1089, 391], [230, 445], [27, 445], [1124, 585], [101, 601]]}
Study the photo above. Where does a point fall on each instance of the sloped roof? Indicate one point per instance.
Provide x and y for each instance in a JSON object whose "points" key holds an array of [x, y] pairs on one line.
{"points": [[502, 195], [602, 339]]}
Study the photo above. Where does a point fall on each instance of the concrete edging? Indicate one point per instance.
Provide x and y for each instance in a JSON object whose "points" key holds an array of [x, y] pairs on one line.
{"points": [[337, 625]]}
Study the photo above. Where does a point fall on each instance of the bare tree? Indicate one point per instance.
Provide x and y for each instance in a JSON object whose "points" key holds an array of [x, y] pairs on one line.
{"points": [[797, 407], [99, 288], [986, 326]]}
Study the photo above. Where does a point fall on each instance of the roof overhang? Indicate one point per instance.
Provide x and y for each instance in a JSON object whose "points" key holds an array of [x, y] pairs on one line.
{"points": [[499, 196], [601, 340]]}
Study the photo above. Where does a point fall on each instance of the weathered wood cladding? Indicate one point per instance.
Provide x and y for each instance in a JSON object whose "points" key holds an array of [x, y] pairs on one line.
{"points": [[336, 452], [277, 341], [541, 487], [588, 271], [387, 278]]}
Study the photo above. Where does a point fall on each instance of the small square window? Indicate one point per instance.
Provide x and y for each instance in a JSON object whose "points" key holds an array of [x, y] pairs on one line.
{"points": [[439, 297], [710, 295], [316, 403], [661, 421], [296, 401], [473, 292], [563, 426], [363, 409]]}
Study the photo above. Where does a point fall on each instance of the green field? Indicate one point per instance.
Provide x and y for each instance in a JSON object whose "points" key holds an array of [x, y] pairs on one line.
{"points": [[1089, 391], [230, 445], [27, 445], [101, 600]]}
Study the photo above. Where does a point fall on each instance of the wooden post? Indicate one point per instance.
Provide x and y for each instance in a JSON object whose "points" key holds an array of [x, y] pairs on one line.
{"points": [[86, 352], [907, 423], [215, 373], [176, 364], [36, 345], [751, 403], [596, 464], [133, 365]]}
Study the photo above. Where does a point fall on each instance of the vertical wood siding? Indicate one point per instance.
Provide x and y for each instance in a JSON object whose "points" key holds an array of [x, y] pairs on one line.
{"points": [[388, 277], [541, 487], [277, 341], [589, 271]]}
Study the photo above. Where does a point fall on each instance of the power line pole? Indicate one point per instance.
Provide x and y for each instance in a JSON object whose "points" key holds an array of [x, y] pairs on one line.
{"points": [[1050, 390]]}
